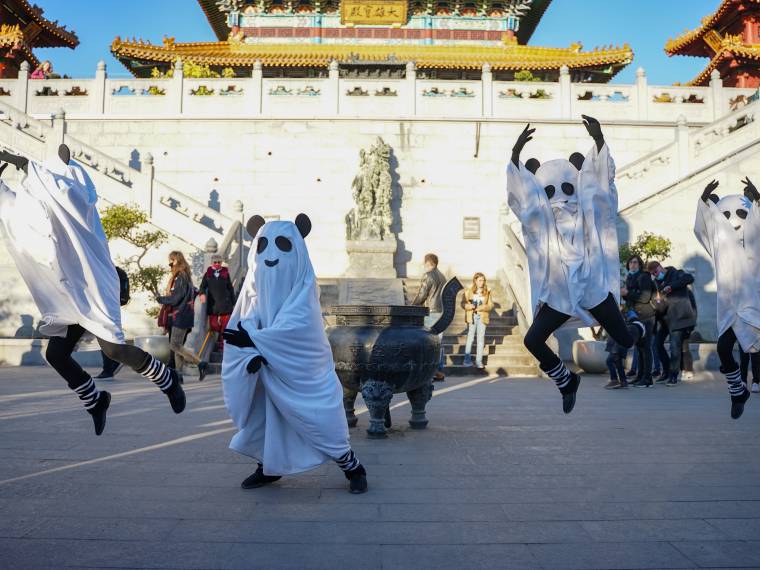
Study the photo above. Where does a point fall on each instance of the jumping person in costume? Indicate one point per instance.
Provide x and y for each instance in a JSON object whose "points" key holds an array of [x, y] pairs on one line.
{"points": [[729, 230], [278, 373], [54, 234], [568, 211]]}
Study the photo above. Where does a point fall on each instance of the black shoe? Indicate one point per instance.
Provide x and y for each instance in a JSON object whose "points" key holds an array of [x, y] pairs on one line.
{"points": [[630, 374], [98, 412], [621, 386], [176, 394], [258, 479], [642, 383], [568, 393], [672, 381], [104, 375], [737, 404], [612, 384], [662, 378], [357, 479], [202, 370]]}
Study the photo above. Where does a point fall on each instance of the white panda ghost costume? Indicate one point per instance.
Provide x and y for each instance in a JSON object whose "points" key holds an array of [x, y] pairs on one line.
{"points": [[568, 212], [290, 412], [729, 230]]}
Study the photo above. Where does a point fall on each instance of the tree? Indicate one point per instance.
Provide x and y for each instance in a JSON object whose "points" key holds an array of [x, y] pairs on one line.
{"points": [[127, 221], [526, 75], [648, 246]]}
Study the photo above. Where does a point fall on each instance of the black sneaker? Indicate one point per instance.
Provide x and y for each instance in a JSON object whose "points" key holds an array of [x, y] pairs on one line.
{"points": [[357, 480], [611, 385], [630, 374], [258, 479], [672, 381], [568, 393], [643, 383], [621, 386], [104, 375], [98, 412], [176, 394], [662, 378], [202, 370], [737, 404]]}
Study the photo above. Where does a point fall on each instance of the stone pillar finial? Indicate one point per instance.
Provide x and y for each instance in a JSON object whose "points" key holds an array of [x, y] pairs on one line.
{"points": [[715, 75], [410, 66], [681, 121], [640, 72], [333, 65], [60, 114], [211, 246], [24, 66], [148, 159], [179, 65], [237, 206], [486, 67], [564, 70], [101, 65], [257, 65]]}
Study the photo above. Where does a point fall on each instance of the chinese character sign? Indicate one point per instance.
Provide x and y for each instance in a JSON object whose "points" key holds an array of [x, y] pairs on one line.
{"points": [[373, 12]]}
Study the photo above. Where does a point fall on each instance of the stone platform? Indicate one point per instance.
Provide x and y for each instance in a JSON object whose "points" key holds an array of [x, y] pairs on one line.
{"points": [[656, 478]]}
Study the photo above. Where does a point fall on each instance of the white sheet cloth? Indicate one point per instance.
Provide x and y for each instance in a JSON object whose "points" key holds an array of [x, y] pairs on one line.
{"points": [[571, 245], [736, 255], [290, 413], [54, 234]]}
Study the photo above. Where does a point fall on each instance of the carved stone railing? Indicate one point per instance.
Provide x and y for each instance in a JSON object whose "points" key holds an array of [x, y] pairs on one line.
{"points": [[333, 96], [514, 267]]}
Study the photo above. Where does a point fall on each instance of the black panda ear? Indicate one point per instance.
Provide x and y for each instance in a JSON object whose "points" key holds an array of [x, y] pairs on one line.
{"points": [[253, 225], [532, 165], [576, 159], [64, 153], [714, 198], [303, 223]]}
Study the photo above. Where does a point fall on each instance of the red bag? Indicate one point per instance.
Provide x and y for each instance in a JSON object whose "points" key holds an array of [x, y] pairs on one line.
{"points": [[163, 317]]}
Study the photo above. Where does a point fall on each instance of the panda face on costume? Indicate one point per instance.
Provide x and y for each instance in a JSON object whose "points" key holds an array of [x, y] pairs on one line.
{"points": [[736, 209], [282, 246], [558, 178]]}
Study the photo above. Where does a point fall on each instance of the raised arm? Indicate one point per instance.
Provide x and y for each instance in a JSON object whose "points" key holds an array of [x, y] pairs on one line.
{"points": [[594, 129], [704, 224], [752, 223], [525, 136], [20, 162]]}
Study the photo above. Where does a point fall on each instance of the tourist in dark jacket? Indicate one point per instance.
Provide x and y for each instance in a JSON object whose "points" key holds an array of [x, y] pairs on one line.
{"points": [[180, 306], [638, 292], [677, 316], [429, 295], [217, 292]]}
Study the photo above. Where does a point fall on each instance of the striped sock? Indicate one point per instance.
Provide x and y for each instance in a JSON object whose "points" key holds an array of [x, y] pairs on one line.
{"points": [[158, 373], [560, 374], [348, 461], [735, 385], [88, 393]]}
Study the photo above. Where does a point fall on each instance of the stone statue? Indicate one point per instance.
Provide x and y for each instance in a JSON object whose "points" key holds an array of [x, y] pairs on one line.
{"points": [[372, 192]]}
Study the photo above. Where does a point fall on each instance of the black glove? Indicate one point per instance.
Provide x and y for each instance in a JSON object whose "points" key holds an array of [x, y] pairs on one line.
{"points": [[595, 130], [2, 168], [750, 191], [707, 193], [20, 162], [255, 364], [524, 137], [239, 337]]}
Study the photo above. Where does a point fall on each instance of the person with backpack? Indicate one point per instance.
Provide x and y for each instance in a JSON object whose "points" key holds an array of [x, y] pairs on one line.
{"points": [[178, 307], [111, 367], [219, 295]]}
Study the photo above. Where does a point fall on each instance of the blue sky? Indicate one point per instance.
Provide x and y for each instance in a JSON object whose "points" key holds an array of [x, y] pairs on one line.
{"points": [[644, 24]]}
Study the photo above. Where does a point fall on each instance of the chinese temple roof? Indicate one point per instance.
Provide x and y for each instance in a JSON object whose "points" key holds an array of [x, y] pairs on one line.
{"points": [[38, 31], [689, 43], [731, 49], [509, 56], [217, 18]]}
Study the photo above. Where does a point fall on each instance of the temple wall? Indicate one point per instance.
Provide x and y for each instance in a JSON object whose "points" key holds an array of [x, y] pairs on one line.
{"points": [[281, 168]]}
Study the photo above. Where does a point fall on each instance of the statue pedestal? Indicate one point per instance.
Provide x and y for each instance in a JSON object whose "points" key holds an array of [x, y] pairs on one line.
{"points": [[371, 259]]}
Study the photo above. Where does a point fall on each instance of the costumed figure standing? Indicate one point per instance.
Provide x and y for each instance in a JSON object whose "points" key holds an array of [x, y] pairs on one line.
{"points": [[568, 211], [729, 230], [278, 373], [53, 232]]}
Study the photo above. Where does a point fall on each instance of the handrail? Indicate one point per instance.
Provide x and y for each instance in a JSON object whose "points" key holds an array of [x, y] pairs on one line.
{"points": [[516, 269]]}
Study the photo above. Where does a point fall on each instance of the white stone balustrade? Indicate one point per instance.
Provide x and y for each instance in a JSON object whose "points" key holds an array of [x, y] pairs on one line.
{"points": [[333, 96]]}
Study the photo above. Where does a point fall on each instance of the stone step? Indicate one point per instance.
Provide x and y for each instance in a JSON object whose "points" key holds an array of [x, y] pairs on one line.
{"points": [[505, 349], [493, 360], [512, 370], [489, 338]]}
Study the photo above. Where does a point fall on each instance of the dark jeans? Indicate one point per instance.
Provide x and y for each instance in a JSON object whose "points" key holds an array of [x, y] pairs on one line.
{"points": [[644, 351], [59, 352], [616, 366], [109, 364], [548, 320], [671, 362]]}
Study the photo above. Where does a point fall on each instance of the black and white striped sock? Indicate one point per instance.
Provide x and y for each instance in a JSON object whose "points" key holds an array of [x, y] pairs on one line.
{"points": [[560, 374], [88, 393], [158, 373], [348, 461], [735, 385]]}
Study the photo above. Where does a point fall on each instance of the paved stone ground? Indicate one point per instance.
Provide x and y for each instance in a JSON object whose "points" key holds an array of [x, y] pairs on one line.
{"points": [[658, 478]]}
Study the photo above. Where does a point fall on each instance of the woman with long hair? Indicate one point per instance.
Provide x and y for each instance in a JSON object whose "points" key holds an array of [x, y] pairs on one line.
{"points": [[180, 307], [477, 305], [638, 293]]}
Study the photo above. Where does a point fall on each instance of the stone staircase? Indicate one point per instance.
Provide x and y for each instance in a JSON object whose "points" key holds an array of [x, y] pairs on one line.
{"points": [[504, 352]]}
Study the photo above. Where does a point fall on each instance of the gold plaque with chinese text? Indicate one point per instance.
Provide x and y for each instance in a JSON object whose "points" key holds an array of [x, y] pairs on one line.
{"points": [[373, 12]]}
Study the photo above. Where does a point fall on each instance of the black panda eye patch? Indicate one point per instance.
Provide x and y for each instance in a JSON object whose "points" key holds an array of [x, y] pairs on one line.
{"points": [[262, 244], [742, 214], [568, 189], [283, 243], [727, 214], [549, 191]]}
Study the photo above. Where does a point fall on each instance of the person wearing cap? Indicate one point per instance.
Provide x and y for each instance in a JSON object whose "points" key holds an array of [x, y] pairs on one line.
{"points": [[217, 292]]}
